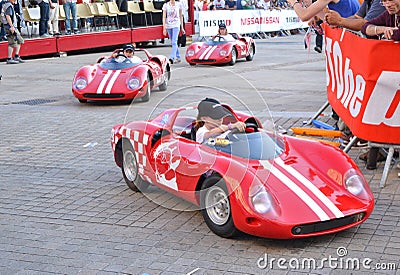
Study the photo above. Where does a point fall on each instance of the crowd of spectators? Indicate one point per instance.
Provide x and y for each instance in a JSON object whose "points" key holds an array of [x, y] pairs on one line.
{"points": [[203, 5]]}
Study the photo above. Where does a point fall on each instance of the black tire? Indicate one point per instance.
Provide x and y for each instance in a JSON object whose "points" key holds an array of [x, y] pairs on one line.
{"points": [[167, 75], [82, 100], [146, 97], [233, 57], [251, 53], [215, 207], [130, 168]]}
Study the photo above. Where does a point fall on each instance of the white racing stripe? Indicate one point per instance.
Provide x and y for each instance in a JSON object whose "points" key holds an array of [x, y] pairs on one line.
{"points": [[324, 199], [296, 190], [103, 82], [210, 52], [112, 81], [205, 52]]}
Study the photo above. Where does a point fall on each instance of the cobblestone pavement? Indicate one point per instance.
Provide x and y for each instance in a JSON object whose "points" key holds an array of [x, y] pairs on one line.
{"points": [[64, 208]]}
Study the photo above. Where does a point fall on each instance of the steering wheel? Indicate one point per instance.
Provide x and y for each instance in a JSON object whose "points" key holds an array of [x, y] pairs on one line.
{"points": [[220, 38], [251, 127], [126, 59]]}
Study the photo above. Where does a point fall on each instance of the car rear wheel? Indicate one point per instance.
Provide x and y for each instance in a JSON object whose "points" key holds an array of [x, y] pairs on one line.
{"points": [[251, 53], [130, 169], [216, 207], [166, 76], [146, 97], [234, 57]]}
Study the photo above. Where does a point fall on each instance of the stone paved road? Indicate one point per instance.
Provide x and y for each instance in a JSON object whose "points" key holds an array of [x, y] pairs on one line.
{"points": [[64, 208]]}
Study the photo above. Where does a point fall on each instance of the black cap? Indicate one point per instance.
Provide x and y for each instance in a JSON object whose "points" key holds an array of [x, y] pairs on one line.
{"points": [[222, 26], [212, 108], [129, 47]]}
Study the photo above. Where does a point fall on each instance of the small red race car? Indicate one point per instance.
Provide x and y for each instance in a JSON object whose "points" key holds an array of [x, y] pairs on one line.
{"points": [[122, 78], [221, 49], [258, 182]]}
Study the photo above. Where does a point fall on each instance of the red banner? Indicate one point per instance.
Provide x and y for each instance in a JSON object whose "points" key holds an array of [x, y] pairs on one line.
{"points": [[363, 84]]}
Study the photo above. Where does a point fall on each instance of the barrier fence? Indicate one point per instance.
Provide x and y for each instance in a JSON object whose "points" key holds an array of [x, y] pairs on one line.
{"points": [[247, 21], [363, 87]]}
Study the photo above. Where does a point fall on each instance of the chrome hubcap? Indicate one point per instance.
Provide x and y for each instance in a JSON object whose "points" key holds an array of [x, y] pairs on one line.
{"points": [[130, 166], [217, 205]]}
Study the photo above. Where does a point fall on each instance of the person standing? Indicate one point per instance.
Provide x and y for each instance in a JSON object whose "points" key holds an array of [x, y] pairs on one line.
{"points": [[53, 20], [386, 24], [14, 38], [369, 9], [345, 8], [44, 6], [172, 24], [70, 9], [19, 14]]}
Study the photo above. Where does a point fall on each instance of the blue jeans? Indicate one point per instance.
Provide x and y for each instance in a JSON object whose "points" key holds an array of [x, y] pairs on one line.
{"points": [[173, 36], [44, 17], [70, 9]]}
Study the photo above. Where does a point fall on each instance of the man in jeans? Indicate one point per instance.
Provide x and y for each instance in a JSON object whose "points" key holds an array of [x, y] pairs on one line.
{"points": [[14, 38], [44, 6], [70, 9]]}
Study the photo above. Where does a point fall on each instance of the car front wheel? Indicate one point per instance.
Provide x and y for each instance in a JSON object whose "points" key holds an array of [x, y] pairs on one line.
{"points": [[216, 207], [166, 76], [146, 97], [251, 53], [130, 169], [234, 57]]}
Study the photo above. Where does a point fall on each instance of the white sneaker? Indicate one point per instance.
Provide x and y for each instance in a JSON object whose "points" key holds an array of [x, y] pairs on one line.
{"points": [[177, 61]]}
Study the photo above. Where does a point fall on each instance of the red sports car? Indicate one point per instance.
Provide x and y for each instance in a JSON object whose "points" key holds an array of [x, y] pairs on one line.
{"points": [[221, 50], [257, 182], [122, 78]]}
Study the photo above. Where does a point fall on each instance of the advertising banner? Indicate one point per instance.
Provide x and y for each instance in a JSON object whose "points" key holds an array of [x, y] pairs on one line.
{"points": [[363, 84], [248, 21]]}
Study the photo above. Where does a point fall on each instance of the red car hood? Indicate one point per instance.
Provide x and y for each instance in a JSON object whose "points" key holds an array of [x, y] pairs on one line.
{"points": [[308, 186], [103, 81]]}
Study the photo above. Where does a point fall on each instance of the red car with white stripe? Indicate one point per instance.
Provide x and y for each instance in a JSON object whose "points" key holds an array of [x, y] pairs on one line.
{"points": [[221, 50], [121, 78], [257, 182]]}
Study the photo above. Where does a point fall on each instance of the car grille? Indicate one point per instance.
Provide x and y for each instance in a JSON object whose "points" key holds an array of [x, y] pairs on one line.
{"points": [[326, 225], [203, 60], [103, 95]]}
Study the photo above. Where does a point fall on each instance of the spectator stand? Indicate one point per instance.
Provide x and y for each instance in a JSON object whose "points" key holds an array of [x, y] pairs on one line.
{"points": [[96, 30]]}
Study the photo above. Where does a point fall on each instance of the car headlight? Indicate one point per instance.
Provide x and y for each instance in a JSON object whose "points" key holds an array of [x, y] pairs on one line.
{"points": [[190, 53], [223, 52], [133, 83], [355, 184], [80, 83], [262, 200], [112, 135]]}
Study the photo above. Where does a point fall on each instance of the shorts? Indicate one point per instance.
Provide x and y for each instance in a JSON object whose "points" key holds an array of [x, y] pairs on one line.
{"points": [[14, 38]]}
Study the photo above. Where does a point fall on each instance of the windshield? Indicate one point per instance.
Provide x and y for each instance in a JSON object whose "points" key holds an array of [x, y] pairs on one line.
{"points": [[220, 39], [258, 145], [117, 63]]}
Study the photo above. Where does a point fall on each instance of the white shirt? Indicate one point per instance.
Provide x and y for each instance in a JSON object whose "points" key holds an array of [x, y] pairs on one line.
{"points": [[172, 19], [203, 130]]}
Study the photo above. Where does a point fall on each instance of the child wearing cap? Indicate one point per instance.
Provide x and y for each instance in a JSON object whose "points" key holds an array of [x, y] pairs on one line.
{"points": [[223, 32], [210, 116]]}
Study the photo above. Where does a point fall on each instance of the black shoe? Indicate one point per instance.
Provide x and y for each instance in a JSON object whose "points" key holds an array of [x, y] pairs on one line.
{"points": [[171, 61], [318, 49]]}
